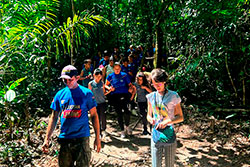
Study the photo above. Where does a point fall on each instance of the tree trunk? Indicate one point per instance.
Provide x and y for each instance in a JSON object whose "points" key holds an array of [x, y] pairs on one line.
{"points": [[159, 46], [230, 78], [72, 36]]}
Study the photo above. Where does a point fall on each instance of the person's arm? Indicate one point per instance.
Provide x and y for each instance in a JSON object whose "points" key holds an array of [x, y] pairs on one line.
{"points": [[147, 89], [81, 75], [150, 118], [109, 88], [89, 86], [103, 88], [104, 73], [133, 92], [129, 84], [130, 73], [95, 122], [178, 117], [51, 126]]}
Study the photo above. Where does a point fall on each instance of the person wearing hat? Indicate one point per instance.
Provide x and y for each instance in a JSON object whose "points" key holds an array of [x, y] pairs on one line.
{"points": [[130, 50], [72, 104], [118, 83]]}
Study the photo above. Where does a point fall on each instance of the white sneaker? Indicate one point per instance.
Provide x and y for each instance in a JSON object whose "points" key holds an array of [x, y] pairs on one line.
{"points": [[123, 135]]}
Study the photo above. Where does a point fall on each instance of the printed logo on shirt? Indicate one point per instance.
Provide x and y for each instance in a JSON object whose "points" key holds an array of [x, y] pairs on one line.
{"points": [[72, 111], [62, 101], [161, 111]]}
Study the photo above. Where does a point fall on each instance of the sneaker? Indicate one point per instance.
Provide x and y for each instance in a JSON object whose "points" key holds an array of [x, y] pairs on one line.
{"points": [[123, 134], [128, 130], [134, 112]]}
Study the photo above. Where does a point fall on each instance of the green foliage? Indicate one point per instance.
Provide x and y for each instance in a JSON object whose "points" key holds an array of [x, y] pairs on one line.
{"points": [[209, 41], [12, 153], [28, 47], [71, 32], [206, 44]]}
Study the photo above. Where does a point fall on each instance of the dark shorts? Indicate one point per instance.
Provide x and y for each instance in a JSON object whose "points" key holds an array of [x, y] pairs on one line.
{"points": [[74, 152]]}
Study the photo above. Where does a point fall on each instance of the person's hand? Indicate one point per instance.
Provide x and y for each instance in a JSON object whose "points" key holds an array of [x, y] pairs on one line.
{"points": [[131, 98], [97, 145], [45, 146], [163, 124], [152, 121], [112, 89], [160, 126], [143, 87]]}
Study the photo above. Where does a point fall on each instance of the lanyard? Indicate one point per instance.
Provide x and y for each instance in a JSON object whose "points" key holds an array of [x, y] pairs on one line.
{"points": [[158, 106]]}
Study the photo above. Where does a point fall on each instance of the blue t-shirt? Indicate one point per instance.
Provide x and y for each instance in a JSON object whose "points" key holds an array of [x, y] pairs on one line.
{"points": [[119, 82], [103, 62], [74, 105], [133, 68], [125, 69]]}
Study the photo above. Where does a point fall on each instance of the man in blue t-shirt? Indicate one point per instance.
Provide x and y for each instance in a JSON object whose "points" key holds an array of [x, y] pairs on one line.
{"points": [[72, 105], [118, 83]]}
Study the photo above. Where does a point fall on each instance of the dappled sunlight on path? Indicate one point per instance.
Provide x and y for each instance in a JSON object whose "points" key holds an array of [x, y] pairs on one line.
{"points": [[196, 148]]}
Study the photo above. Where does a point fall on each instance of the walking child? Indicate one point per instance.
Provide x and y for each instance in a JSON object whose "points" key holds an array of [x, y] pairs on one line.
{"points": [[142, 89], [86, 75], [98, 89], [164, 110]]}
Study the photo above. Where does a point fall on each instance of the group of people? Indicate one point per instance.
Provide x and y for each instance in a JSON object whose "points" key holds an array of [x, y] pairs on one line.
{"points": [[119, 82]]}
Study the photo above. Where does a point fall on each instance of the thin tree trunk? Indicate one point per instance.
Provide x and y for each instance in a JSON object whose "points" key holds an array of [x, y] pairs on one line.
{"points": [[244, 91], [229, 75], [159, 45], [117, 20]]}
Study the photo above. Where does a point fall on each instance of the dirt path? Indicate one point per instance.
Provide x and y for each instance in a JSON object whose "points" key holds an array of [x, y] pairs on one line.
{"points": [[202, 142]]}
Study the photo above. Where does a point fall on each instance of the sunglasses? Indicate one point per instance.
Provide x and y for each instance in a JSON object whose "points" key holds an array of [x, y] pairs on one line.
{"points": [[65, 80]]}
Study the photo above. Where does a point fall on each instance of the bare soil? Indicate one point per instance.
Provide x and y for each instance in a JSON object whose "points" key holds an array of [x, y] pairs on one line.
{"points": [[202, 141]]}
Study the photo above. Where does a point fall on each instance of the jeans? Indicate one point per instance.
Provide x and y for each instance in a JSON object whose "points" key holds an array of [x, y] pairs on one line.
{"points": [[74, 152], [157, 151]]}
